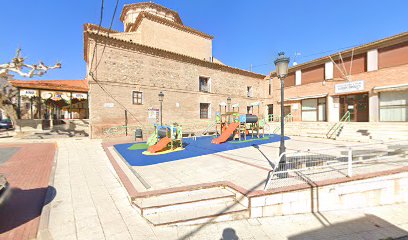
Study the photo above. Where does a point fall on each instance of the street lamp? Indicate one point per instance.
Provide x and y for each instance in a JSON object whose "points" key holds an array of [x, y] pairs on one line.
{"points": [[282, 63], [161, 96]]}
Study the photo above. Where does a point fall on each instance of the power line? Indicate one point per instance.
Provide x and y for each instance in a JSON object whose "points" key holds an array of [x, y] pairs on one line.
{"points": [[91, 72], [313, 54], [110, 28], [100, 25]]}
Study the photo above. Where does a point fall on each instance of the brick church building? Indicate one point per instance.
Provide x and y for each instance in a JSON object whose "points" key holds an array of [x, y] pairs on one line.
{"points": [[157, 53]]}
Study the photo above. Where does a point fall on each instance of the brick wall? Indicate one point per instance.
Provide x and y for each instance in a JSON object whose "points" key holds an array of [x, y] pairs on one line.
{"points": [[382, 77], [164, 37], [123, 70]]}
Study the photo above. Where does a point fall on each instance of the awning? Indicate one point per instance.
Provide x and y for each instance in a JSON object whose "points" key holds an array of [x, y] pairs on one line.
{"points": [[236, 105], [223, 104], [305, 97], [398, 87]]}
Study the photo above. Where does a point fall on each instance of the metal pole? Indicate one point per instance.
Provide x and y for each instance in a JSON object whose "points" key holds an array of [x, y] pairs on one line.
{"points": [[70, 106], [282, 148], [126, 123], [161, 113], [18, 104]]}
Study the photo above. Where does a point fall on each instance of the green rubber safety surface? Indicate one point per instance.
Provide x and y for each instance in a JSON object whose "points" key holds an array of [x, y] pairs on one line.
{"points": [[138, 146]]}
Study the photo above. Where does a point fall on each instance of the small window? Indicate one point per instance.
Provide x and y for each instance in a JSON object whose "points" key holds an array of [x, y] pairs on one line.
{"points": [[137, 97], [204, 84], [204, 110], [249, 91], [270, 86]]}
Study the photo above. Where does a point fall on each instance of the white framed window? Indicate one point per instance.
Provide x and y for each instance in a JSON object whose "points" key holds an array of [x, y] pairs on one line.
{"points": [[328, 70], [205, 111], [250, 91], [137, 98], [372, 60], [204, 84], [298, 77], [394, 106]]}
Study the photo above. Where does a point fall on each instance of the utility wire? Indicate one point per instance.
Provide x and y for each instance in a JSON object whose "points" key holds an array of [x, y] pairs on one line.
{"points": [[91, 72], [100, 25], [312, 54], [110, 28]]}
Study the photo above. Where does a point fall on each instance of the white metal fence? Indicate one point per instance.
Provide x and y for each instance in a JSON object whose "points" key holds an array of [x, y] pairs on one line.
{"points": [[312, 166]]}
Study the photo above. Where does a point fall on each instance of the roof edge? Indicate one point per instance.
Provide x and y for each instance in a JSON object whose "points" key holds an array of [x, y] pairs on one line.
{"points": [[102, 38], [127, 7], [384, 42], [167, 22]]}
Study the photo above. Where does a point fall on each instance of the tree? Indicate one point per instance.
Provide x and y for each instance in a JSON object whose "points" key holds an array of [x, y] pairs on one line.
{"points": [[8, 93]]}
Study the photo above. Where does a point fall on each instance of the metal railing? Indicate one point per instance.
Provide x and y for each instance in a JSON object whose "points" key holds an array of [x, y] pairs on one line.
{"points": [[338, 125], [288, 118], [306, 167]]}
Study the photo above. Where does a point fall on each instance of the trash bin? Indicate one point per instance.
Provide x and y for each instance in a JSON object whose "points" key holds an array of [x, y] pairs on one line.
{"points": [[138, 134]]}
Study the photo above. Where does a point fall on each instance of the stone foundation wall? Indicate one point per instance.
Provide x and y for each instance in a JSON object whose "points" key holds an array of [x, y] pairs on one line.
{"points": [[350, 195]]}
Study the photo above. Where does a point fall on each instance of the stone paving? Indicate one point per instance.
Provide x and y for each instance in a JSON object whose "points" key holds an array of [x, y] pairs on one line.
{"points": [[27, 168], [91, 203]]}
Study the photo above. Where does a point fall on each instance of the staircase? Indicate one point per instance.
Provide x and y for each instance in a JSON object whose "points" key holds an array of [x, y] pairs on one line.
{"points": [[192, 207], [374, 131], [349, 131]]}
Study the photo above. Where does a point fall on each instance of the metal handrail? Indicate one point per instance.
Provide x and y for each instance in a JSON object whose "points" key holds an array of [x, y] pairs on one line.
{"points": [[338, 125]]}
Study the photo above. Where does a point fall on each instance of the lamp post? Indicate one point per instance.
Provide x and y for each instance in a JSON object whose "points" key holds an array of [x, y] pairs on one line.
{"points": [[282, 63], [161, 96]]}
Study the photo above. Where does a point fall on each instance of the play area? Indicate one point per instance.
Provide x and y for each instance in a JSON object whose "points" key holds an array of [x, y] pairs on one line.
{"points": [[166, 143]]}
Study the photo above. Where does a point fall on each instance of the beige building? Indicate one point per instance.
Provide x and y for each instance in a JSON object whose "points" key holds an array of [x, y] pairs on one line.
{"points": [[158, 53]]}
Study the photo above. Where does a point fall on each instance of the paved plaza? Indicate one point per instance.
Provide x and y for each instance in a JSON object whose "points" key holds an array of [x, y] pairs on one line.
{"points": [[92, 203], [27, 168]]}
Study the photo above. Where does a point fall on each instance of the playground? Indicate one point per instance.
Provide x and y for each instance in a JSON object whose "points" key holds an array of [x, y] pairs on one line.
{"points": [[192, 147]]}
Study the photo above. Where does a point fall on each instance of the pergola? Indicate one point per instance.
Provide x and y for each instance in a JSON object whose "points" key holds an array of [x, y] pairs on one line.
{"points": [[52, 99]]}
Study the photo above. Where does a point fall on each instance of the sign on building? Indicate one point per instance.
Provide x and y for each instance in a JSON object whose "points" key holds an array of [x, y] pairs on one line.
{"points": [[79, 95], [108, 105], [153, 115], [349, 87], [28, 93]]}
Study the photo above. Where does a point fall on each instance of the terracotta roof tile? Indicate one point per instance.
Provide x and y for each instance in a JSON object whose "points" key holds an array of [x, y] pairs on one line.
{"points": [[61, 85]]}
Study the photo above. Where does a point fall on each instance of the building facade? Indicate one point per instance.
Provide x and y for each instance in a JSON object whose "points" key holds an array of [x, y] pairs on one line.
{"points": [[157, 53], [369, 83], [43, 104]]}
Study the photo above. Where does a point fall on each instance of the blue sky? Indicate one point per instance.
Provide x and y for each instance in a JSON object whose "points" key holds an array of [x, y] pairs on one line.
{"points": [[246, 32]]}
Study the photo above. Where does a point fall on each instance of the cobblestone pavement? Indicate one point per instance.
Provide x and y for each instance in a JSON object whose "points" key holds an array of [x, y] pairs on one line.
{"points": [[91, 203]]}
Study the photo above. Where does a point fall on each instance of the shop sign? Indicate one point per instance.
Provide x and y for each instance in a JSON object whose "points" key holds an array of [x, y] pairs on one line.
{"points": [[79, 95], [56, 96], [28, 93], [349, 87]]}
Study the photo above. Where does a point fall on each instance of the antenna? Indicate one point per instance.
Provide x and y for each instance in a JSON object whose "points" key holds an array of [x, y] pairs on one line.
{"points": [[294, 58]]}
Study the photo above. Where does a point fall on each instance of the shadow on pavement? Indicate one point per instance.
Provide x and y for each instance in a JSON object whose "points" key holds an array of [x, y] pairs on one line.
{"points": [[23, 205], [367, 227]]}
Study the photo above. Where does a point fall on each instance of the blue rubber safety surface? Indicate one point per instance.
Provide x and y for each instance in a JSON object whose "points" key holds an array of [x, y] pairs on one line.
{"points": [[193, 148]]}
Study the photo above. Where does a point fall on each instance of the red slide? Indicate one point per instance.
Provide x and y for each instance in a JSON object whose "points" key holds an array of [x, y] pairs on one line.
{"points": [[162, 144], [226, 134]]}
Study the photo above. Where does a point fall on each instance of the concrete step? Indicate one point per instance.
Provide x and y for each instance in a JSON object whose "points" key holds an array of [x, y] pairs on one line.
{"points": [[226, 211], [183, 200]]}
